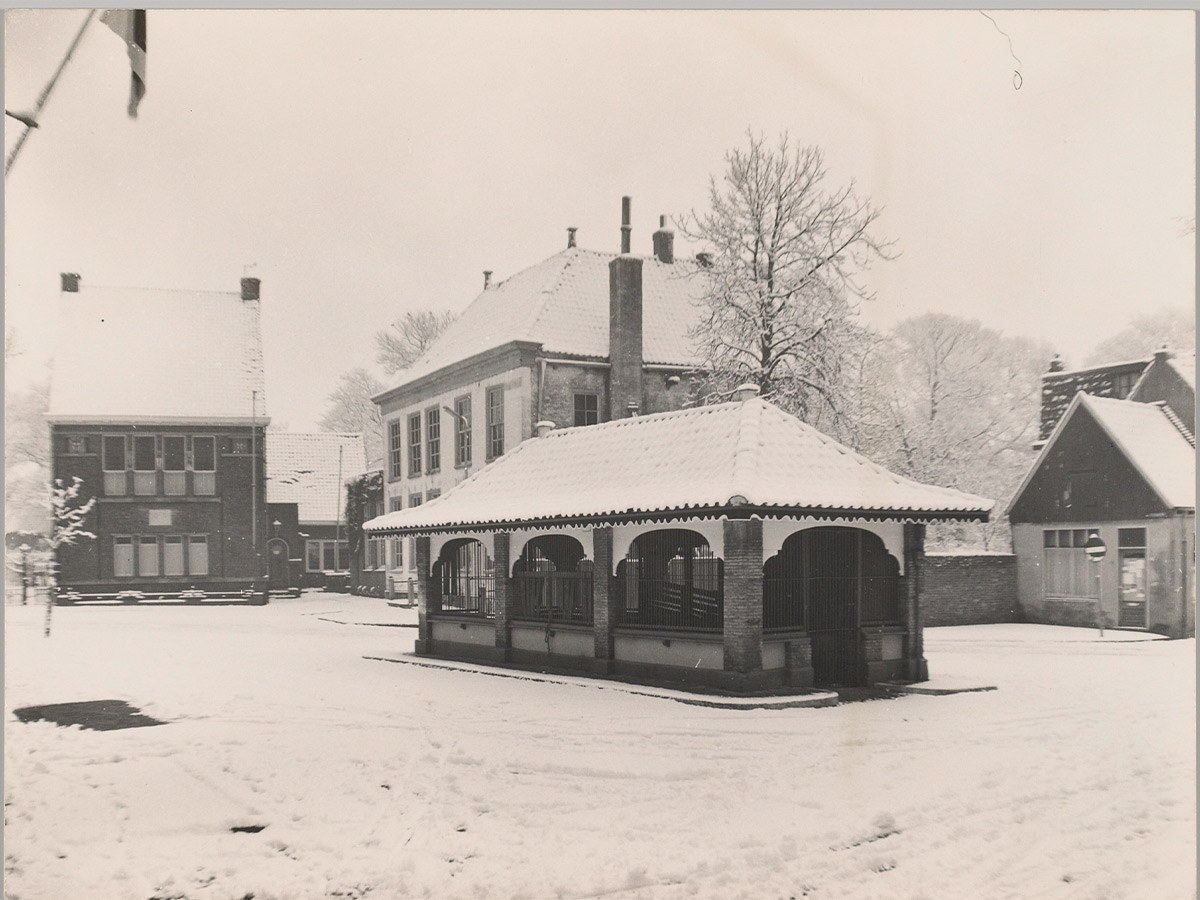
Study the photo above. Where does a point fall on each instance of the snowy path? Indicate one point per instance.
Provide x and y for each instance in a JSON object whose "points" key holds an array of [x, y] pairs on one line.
{"points": [[1076, 779]]}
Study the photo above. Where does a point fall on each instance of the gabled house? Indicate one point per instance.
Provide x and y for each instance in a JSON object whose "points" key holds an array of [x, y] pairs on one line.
{"points": [[157, 405], [729, 545], [581, 338], [306, 493], [1123, 471], [1060, 386]]}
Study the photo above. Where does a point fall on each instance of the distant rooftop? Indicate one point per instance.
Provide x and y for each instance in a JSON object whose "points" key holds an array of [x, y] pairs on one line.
{"points": [[306, 469]]}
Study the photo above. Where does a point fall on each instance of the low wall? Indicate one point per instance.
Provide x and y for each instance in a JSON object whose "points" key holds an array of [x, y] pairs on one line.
{"points": [[976, 589]]}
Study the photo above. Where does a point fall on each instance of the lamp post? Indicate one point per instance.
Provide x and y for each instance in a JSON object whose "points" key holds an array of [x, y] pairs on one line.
{"points": [[1096, 549], [24, 550]]}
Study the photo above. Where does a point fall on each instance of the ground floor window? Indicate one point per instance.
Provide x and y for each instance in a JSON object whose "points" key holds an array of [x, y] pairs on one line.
{"points": [[376, 553], [1067, 569], [327, 556], [151, 555]]}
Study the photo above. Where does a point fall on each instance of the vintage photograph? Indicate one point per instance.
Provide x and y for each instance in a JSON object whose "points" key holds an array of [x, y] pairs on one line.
{"points": [[646, 454]]}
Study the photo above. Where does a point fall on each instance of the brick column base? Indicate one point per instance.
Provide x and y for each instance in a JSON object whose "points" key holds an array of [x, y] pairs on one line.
{"points": [[425, 603], [798, 659], [603, 613]]}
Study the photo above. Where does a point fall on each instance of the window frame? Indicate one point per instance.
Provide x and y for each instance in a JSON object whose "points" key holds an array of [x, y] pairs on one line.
{"points": [[414, 444], [594, 413], [195, 540], [127, 540], [462, 430], [494, 437], [395, 448], [433, 440]]}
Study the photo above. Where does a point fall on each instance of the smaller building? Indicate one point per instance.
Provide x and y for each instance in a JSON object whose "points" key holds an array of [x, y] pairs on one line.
{"points": [[1059, 388], [728, 545], [306, 489], [1123, 471]]}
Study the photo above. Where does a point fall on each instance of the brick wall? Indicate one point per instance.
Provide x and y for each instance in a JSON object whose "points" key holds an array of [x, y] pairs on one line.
{"points": [[968, 590]]}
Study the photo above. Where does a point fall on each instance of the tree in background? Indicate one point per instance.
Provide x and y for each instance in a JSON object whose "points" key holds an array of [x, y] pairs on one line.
{"points": [[26, 458], [68, 512], [349, 408], [401, 344], [1176, 328], [783, 288], [953, 403]]}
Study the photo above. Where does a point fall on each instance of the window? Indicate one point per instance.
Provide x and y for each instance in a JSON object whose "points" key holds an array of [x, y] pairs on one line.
{"points": [[312, 556], [1131, 537], [198, 554], [239, 445], [204, 464], [173, 554], [123, 556], [397, 543], [587, 409], [113, 447], [433, 439], [77, 443], [495, 422], [174, 456], [462, 431], [1123, 384], [145, 478], [414, 445], [327, 556], [1068, 571], [414, 500], [148, 555], [433, 494], [395, 448]]}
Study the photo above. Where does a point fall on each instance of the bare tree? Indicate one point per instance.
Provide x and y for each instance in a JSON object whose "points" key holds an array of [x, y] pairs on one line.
{"points": [[400, 344], [349, 408], [68, 512], [784, 285], [1175, 328]]}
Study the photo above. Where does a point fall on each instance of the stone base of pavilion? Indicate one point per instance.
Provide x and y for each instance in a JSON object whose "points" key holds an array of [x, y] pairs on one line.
{"points": [[747, 606]]}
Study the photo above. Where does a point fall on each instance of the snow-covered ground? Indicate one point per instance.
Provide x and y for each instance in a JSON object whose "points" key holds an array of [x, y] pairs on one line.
{"points": [[1075, 779]]}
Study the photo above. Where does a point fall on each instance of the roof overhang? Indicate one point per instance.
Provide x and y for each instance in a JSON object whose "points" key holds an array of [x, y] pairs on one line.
{"points": [[639, 517], [508, 355], [100, 421]]}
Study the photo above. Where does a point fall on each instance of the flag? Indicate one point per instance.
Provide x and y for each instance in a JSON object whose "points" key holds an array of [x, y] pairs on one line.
{"points": [[130, 26]]}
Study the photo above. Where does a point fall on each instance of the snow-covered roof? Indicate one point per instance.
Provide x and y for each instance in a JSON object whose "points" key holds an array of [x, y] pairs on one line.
{"points": [[150, 355], [305, 469], [1149, 435], [562, 303], [740, 454], [1185, 365]]}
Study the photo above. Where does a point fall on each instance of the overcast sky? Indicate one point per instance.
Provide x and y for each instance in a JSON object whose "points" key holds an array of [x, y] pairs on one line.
{"points": [[367, 163]]}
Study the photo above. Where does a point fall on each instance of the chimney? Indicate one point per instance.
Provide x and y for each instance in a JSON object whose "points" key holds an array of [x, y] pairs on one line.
{"points": [[625, 227], [664, 242], [1056, 363], [250, 288], [1162, 355], [543, 428], [704, 259], [70, 282], [624, 336], [747, 391], [571, 237], [487, 278]]}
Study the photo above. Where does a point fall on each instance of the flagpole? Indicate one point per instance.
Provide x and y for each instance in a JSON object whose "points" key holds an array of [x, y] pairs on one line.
{"points": [[45, 95]]}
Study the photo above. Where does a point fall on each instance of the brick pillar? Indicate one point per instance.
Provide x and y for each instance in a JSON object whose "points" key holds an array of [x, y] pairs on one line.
{"points": [[914, 560], [502, 567], [798, 657], [743, 595], [426, 604], [603, 611]]}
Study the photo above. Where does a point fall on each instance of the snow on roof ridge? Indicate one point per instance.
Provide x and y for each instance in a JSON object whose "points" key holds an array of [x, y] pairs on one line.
{"points": [[746, 451], [1111, 365]]}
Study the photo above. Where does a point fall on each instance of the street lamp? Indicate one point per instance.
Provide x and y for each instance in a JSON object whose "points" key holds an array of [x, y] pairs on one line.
{"points": [[24, 550]]}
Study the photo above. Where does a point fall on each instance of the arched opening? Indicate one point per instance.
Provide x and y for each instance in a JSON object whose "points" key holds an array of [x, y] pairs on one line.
{"points": [[829, 581], [277, 565], [552, 580], [671, 579], [464, 579]]}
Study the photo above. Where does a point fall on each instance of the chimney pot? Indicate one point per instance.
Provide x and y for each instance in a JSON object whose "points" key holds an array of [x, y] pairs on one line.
{"points": [[625, 226], [250, 288], [70, 282], [1056, 363], [487, 278], [664, 242], [1162, 354], [544, 427], [705, 260], [571, 237], [747, 391]]}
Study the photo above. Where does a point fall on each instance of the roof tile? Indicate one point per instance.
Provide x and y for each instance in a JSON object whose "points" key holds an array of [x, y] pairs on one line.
{"points": [[304, 469]]}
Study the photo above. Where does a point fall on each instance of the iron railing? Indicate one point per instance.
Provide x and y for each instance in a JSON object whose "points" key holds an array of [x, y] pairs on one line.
{"points": [[470, 595], [557, 596], [664, 603], [829, 602]]}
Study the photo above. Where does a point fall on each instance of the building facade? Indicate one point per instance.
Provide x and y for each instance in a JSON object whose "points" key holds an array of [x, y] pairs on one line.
{"points": [[167, 434], [581, 338]]}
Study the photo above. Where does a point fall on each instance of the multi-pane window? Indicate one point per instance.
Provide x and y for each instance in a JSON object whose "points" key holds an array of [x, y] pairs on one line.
{"points": [[198, 554], [174, 462], [462, 431], [1068, 570], [327, 556], [587, 409], [1123, 384], [397, 544], [396, 448], [204, 464], [433, 439], [433, 493], [495, 422], [77, 443], [145, 476], [123, 556], [414, 500], [414, 445], [114, 463]]}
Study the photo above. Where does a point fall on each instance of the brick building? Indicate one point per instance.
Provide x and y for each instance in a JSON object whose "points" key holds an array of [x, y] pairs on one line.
{"points": [[306, 494], [1122, 470], [580, 338], [157, 405], [729, 545]]}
